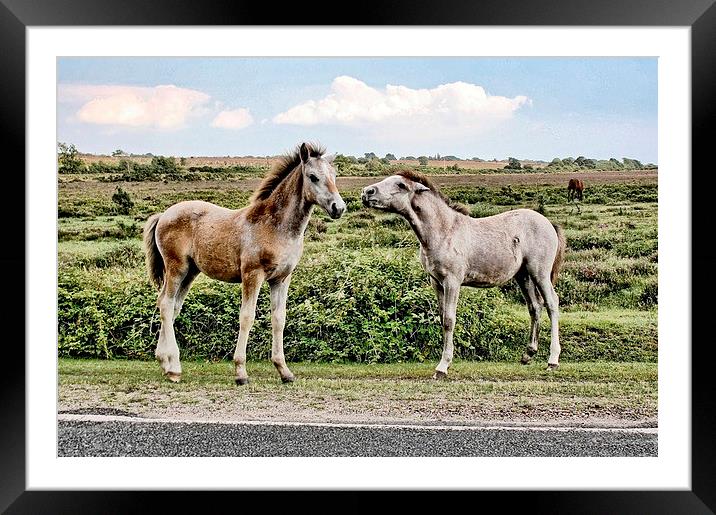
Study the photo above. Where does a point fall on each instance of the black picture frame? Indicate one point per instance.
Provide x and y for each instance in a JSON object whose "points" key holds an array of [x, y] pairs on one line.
{"points": [[699, 15]]}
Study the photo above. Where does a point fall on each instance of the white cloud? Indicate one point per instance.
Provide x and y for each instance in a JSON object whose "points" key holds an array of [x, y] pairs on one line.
{"points": [[164, 107], [353, 102], [233, 119]]}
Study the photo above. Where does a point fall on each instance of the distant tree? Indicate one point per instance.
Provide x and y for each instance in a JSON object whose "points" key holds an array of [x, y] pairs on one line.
{"points": [[374, 165], [385, 161], [451, 158], [528, 167], [124, 164], [423, 161], [589, 163], [555, 162], [632, 163], [409, 158], [370, 155], [119, 152], [477, 159], [342, 162], [513, 164], [615, 163], [182, 161], [68, 160], [164, 165], [391, 157], [568, 161]]}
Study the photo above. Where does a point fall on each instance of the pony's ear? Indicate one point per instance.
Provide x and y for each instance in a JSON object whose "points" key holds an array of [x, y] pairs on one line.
{"points": [[419, 188], [303, 152], [330, 157]]}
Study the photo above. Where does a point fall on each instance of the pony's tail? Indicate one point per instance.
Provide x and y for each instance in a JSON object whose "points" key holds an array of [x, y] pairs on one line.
{"points": [[559, 258], [154, 260]]}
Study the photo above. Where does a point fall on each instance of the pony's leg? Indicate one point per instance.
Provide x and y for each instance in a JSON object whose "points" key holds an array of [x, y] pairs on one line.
{"points": [[279, 292], [534, 306], [544, 284], [167, 351], [439, 292], [184, 290], [250, 287], [451, 291]]}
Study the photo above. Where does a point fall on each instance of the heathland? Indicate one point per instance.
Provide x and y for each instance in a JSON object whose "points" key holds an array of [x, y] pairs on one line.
{"points": [[358, 293]]}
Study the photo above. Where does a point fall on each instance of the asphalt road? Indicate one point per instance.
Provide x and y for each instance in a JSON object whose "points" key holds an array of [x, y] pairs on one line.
{"points": [[111, 437]]}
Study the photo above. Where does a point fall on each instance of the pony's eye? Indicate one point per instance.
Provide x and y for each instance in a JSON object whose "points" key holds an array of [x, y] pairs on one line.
{"points": [[402, 186], [313, 178]]}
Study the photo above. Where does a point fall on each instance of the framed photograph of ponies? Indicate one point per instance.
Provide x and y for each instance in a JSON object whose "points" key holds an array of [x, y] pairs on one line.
{"points": [[374, 188]]}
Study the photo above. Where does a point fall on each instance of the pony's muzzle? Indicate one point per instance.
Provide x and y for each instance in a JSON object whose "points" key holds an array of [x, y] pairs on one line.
{"points": [[337, 209], [367, 192]]}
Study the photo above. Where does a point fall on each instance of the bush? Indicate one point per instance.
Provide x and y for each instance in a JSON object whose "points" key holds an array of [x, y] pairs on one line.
{"points": [[102, 167], [122, 201], [163, 164], [364, 306], [513, 164], [374, 165], [338, 313]]}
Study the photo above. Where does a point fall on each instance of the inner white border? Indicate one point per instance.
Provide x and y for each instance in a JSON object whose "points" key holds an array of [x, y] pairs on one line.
{"points": [[671, 470]]}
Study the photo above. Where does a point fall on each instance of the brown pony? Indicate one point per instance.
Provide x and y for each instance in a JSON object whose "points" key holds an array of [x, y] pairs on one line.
{"points": [[260, 242], [575, 189]]}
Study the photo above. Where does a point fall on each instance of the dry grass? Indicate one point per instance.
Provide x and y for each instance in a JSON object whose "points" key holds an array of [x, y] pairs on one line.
{"points": [[586, 394]]}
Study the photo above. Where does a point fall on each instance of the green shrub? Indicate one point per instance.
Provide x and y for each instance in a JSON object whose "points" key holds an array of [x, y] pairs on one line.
{"points": [[122, 201], [68, 160], [363, 306]]}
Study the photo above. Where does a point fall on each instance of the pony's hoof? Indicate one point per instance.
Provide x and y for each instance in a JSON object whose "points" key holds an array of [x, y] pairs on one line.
{"points": [[528, 355], [173, 377], [288, 379], [439, 375], [241, 381], [552, 366]]}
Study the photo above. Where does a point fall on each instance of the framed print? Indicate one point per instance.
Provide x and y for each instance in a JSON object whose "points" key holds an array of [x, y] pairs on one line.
{"points": [[117, 84]]}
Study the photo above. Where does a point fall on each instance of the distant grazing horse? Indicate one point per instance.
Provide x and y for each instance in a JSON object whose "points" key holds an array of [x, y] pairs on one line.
{"points": [[260, 242], [575, 189], [457, 250]]}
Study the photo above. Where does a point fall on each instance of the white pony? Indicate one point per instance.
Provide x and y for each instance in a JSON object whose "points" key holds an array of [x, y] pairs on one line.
{"points": [[457, 250]]}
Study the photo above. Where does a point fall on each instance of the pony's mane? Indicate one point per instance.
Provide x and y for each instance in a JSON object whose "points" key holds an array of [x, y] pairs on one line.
{"points": [[283, 168], [422, 179]]}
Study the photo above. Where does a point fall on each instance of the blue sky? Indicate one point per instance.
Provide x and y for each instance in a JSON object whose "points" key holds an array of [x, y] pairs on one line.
{"points": [[529, 108]]}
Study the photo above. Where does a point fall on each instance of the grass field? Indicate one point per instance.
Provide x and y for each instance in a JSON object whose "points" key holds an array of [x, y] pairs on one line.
{"points": [[359, 294], [363, 332]]}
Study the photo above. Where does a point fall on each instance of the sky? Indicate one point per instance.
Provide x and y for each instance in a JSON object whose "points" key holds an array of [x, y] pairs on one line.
{"points": [[528, 108]]}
